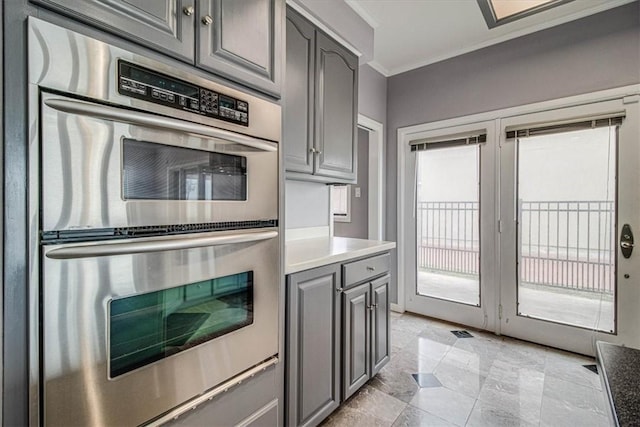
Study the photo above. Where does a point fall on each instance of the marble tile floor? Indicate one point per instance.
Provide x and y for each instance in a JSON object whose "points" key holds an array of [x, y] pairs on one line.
{"points": [[487, 380]]}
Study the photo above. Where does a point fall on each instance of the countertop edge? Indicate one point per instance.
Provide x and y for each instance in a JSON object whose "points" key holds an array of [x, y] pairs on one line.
{"points": [[341, 257], [605, 385]]}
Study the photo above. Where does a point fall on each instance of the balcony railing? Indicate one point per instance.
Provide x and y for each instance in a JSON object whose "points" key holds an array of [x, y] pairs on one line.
{"points": [[566, 244]]}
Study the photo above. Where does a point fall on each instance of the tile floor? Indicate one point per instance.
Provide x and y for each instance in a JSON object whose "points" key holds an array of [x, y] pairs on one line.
{"points": [[486, 381]]}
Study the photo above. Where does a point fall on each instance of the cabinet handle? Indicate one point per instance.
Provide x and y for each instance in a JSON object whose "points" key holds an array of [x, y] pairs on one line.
{"points": [[188, 10], [207, 20], [312, 150], [371, 268], [338, 290]]}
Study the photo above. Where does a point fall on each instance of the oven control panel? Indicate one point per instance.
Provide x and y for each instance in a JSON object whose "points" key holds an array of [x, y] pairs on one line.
{"points": [[142, 83]]}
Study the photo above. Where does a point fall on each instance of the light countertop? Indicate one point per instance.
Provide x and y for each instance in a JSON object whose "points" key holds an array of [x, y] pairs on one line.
{"points": [[304, 254]]}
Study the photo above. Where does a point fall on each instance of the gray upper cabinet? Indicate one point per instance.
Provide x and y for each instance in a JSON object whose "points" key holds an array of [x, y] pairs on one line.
{"points": [[164, 25], [242, 40], [320, 105], [313, 345], [298, 95], [337, 109]]}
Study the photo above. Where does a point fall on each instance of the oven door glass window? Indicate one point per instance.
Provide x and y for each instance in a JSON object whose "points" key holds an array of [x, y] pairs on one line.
{"points": [[154, 171], [148, 327]]}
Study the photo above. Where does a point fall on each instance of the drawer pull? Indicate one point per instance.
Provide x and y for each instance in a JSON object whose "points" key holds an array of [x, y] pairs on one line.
{"points": [[338, 290], [371, 268]]}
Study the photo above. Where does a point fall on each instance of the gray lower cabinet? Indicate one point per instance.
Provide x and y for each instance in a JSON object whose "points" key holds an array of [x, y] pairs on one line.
{"points": [[320, 105], [366, 333], [357, 332], [337, 336], [313, 345], [239, 40]]}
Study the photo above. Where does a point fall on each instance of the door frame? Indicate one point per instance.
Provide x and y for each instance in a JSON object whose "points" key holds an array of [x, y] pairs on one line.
{"points": [[376, 176], [408, 133]]}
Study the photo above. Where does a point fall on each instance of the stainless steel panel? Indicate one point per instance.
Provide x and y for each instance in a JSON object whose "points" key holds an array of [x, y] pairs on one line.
{"points": [[368, 268], [66, 61], [75, 298], [82, 174], [228, 404]]}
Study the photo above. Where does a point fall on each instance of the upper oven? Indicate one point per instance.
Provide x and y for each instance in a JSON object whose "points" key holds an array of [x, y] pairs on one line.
{"points": [[128, 141], [105, 167]]}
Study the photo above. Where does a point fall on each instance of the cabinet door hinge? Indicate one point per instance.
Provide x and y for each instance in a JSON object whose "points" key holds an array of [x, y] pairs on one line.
{"points": [[499, 226], [500, 311]]}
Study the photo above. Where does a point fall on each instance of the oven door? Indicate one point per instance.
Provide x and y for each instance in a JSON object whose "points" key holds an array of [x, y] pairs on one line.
{"points": [[135, 327], [107, 167]]}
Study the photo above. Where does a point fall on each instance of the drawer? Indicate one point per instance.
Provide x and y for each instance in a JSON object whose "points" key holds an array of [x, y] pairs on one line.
{"points": [[365, 269]]}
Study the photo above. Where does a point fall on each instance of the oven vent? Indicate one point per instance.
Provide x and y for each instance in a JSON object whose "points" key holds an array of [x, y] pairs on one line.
{"points": [[97, 234]]}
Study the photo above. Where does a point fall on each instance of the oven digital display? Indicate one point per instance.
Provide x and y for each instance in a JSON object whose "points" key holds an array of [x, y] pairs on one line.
{"points": [[141, 83], [158, 81], [149, 327], [227, 102]]}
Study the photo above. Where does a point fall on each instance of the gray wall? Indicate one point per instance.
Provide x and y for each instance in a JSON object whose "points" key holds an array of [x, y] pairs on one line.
{"points": [[372, 94], [359, 225], [594, 53]]}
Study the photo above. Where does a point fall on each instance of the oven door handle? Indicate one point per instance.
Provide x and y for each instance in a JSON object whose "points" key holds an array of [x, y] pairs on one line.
{"points": [[151, 120], [157, 245]]}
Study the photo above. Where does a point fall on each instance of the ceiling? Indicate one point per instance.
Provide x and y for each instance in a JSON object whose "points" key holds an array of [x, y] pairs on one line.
{"points": [[412, 33]]}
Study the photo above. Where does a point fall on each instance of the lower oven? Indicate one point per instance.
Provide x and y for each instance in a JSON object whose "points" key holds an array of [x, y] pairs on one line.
{"points": [[135, 327]]}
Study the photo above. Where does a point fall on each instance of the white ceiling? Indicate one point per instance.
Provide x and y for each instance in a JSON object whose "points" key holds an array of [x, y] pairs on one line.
{"points": [[413, 33]]}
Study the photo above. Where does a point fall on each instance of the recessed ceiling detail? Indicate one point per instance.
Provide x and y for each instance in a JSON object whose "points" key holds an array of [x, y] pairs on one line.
{"points": [[499, 12], [409, 34]]}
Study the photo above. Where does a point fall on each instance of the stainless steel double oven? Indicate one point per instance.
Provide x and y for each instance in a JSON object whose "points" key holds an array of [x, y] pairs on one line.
{"points": [[154, 232]]}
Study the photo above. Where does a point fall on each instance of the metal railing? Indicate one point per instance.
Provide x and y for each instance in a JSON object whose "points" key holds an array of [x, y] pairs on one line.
{"points": [[448, 236], [567, 244]]}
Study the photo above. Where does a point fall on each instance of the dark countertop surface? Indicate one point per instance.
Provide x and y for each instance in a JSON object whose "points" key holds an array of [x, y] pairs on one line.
{"points": [[619, 369]]}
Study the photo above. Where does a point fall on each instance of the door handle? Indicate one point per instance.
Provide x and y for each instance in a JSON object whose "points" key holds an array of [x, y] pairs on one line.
{"points": [[626, 241], [170, 243], [158, 122]]}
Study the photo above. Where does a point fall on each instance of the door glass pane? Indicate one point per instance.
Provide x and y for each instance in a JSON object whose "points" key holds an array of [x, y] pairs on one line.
{"points": [[566, 227], [148, 327], [163, 172], [448, 224]]}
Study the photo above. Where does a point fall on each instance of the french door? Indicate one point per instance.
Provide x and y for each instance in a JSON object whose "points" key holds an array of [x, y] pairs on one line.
{"points": [[452, 225], [568, 183], [516, 225]]}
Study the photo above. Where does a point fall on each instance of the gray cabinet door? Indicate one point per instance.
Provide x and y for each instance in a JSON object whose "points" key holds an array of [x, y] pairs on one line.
{"points": [[298, 95], [313, 345], [356, 329], [164, 25], [242, 41], [380, 346], [336, 110]]}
